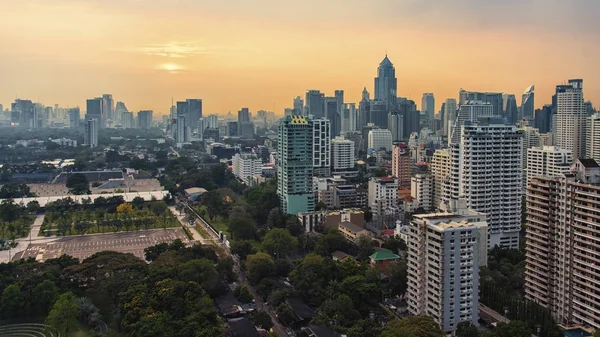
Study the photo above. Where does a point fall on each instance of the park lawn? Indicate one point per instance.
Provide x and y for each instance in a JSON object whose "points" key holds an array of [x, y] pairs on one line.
{"points": [[201, 229], [220, 225]]}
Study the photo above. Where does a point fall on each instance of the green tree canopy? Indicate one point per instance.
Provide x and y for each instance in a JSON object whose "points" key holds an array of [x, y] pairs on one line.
{"points": [[279, 243], [416, 326], [78, 184], [63, 315], [512, 329], [259, 266]]}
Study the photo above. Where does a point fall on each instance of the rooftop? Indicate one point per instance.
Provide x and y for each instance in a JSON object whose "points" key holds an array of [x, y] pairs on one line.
{"points": [[339, 255], [242, 327], [352, 227], [383, 255], [588, 163], [300, 308], [195, 190]]}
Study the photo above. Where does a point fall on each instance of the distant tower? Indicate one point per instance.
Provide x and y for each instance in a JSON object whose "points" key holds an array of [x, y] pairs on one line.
{"points": [[511, 112], [386, 83], [90, 135], [527, 103], [364, 110], [315, 103], [449, 114], [109, 106], [428, 105], [298, 106], [571, 118]]}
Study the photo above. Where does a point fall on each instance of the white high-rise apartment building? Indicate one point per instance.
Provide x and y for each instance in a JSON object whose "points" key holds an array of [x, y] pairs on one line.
{"points": [[421, 188], [471, 111], [380, 138], [547, 161], [91, 132], [348, 117], [246, 166], [562, 271], [322, 147], [445, 251], [531, 138], [440, 170], [342, 154], [593, 137], [182, 130], [486, 170], [571, 118], [449, 114], [383, 198]]}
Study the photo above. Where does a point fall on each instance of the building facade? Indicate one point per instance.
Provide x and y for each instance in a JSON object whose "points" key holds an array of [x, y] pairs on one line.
{"points": [[401, 164], [592, 142], [342, 154], [571, 118], [383, 200], [90, 134], [321, 142], [549, 161], [380, 139], [421, 189], [246, 167]]}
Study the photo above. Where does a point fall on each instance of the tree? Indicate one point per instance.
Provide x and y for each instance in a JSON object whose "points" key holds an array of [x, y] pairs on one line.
{"points": [[201, 271], [415, 326], [262, 319], [365, 248], [276, 218], [286, 314], [242, 293], [78, 184], [63, 314], [279, 242], [33, 206], [337, 312], [242, 248], [512, 329], [398, 278], [44, 295], [259, 266], [15, 191], [138, 202], [597, 333], [395, 244], [242, 228], [466, 329], [125, 209], [12, 301]]}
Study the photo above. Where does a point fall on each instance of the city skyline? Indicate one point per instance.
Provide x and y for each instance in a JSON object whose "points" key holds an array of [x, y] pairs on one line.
{"points": [[263, 55]]}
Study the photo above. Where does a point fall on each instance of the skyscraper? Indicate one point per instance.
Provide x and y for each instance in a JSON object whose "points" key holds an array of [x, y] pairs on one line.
{"points": [[348, 117], [411, 118], [144, 119], [401, 164], [386, 84], [74, 116], [26, 112], [449, 114], [321, 141], [109, 106], [315, 103], [542, 118], [380, 139], [570, 118], [486, 170], [428, 105], [511, 112], [396, 126], [379, 113], [90, 134], [342, 154], [470, 111], [593, 137], [440, 169], [527, 103], [119, 109], [96, 110], [182, 130], [194, 110], [364, 110], [548, 161], [298, 106], [493, 98], [332, 113], [339, 97], [127, 120], [295, 165]]}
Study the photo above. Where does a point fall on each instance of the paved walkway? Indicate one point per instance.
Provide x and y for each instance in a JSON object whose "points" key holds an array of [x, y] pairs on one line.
{"points": [[182, 219], [23, 243]]}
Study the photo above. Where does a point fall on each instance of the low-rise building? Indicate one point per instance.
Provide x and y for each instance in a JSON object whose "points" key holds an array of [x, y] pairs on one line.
{"points": [[351, 231], [246, 166]]}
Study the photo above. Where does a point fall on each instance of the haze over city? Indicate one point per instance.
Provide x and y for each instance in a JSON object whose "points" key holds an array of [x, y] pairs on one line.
{"points": [[261, 54]]}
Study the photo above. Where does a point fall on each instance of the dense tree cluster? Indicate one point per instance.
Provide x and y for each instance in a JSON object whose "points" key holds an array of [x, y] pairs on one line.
{"points": [[15, 220]]}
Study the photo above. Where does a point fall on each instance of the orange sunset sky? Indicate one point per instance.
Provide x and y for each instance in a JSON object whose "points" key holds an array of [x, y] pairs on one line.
{"points": [[262, 53]]}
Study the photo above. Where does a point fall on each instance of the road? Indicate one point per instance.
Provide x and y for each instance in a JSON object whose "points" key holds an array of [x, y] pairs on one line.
{"points": [[260, 304], [492, 313], [34, 237]]}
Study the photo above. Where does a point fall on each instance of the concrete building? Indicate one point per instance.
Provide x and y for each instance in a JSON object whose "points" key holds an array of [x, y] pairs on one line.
{"points": [[493, 98], [383, 200], [342, 155], [445, 252], [571, 118], [428, 105], [562, 263], [422, 190], [109, 106], [127, 121], [246, 167], [386, 84], [144, 119], [95, 109], [90, 134], [549, 161], [315, 103], [380, 139], [440, 170], [486, 170], [295, 165], [321, 143], [183, 134], [396, 126], [449, 115], [528, 103], [470, 111], [401, 164], [592, 141], [348, 117], [74, 117], [509, 106]]}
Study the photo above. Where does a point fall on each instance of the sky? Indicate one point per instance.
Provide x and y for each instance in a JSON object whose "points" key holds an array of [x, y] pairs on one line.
{"points": [[262, 53]]}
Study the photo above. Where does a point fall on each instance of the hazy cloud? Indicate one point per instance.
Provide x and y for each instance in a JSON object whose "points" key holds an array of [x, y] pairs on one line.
{"points": [[184, 49]]}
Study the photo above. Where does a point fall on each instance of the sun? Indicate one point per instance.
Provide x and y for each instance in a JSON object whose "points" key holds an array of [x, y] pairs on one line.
{"points": [[171, 67]]}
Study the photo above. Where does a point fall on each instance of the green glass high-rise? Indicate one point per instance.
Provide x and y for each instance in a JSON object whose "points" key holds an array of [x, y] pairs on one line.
{"points": [[295, 165]]}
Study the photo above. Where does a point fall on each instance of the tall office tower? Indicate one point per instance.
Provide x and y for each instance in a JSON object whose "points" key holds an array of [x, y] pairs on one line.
{"points": [[440, 170], [421, 189], [449, 115], [173, 112], [342, 154], [592, 140], [401, 164], [509, 106], [321, 147], [339, 97], [246, 166], [380, 139], [348, 118], [194, 110], [379, 114], [213, 121], [232, 129], [364, 110], [26, 113], [487, 170], [365, 136], [386, 84], [470, 111], [90, 134], [315, 103], [109, 106], [74, 117], [295, 165], [428, 105], [548, 161], [383, 200], [411, 116], [561, 272], [119, 109], [570, 118], [182, 130], [589, 108], [96, 110], [144, 119], [396, 126], [542, 118], [331, 113], [127, 120], [243, 116], [245, 126], [527, 103], [494, 98], [298, 106], [531, 138], [445, 252]]}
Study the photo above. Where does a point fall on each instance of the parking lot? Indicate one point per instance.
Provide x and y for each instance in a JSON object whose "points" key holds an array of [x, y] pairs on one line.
{"points": [[84, 246]]}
